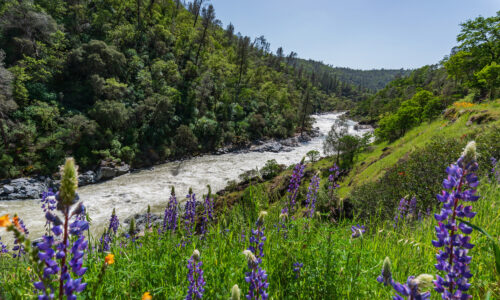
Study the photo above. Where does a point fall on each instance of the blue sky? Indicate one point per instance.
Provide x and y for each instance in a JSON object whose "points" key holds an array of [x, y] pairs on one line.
{"points": [[360, 34]]}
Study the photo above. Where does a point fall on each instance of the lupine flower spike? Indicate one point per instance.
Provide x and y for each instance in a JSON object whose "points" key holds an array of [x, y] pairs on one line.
{"points": [[195, 277], [452, 259], [256, 277], [258, 238], [170, 216], [293, 187], [69, 255], [190, 213], [312, 194]]}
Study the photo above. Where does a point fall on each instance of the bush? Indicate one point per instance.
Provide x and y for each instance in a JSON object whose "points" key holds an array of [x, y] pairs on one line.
{"points": [[271, 169]]}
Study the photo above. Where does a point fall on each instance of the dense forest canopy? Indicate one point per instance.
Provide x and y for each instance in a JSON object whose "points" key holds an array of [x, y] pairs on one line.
{"points": [[144, 81]]}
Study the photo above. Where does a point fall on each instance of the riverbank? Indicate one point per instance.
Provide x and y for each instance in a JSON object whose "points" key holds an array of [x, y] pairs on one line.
{"points": [[25, 188]]}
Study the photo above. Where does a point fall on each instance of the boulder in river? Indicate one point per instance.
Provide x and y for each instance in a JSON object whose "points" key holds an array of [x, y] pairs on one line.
{"points": [[109, 170]]}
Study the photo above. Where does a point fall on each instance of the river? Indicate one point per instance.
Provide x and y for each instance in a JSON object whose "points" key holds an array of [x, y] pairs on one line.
{"points": [[132, 193]]}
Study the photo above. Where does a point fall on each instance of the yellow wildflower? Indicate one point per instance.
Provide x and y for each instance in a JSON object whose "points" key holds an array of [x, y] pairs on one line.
{"points": [[146, 296], [109, 259], [4, 221]]}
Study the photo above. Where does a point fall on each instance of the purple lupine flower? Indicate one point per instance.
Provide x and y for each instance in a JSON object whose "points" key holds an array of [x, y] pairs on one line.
{"points": [[401, 211], [190, 213], [208, 206], [170, 216], [114, 223], [48, 204], [452, 259], [357, 231], [54, 255], [293, 187], [258, 238], [312, 195], [332, 178], [3, 247], [407, 210], [18, 249], [195, 277], [297, 267], [48, 201], [107, 236], [256, 277], [413, 288], [104, 242]]}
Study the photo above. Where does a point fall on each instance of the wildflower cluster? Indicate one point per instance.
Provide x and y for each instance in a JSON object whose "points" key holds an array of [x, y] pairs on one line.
{"points": [[332, 178], [297, 267], [110, 233], [293, 187], [256, 277], [190, 212], [406, 210], [63, 258], [18, 249], [312, 195], [453, 258], [258, 238], [3, 247], [195, 277], [463, 104], [170, 215]]}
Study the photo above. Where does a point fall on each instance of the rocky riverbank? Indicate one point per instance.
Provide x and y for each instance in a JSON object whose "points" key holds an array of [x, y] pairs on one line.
{"points": [[32, 187]]}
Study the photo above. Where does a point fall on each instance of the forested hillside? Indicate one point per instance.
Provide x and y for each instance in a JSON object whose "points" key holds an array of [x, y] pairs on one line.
{"points": [[368, 80], [141, 82]]}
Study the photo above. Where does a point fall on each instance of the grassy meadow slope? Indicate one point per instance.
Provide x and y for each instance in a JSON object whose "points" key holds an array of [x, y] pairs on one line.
{"points": [[335, 265]]}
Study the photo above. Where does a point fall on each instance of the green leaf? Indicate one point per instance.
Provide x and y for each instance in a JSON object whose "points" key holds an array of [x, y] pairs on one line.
{"points": [[494, 243]]}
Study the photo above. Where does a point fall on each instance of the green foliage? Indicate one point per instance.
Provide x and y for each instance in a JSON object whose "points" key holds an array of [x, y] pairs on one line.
{"points": [[313, 155], [144, 82], [271, 169], [420, 174], [422, 106]]}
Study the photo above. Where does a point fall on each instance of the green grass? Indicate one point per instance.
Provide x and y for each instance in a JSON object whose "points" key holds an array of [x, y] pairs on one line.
{"points": [[335, 265]]}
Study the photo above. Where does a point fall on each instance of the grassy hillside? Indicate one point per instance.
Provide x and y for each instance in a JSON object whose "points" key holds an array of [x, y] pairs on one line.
{"points": [[453, 124]]}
